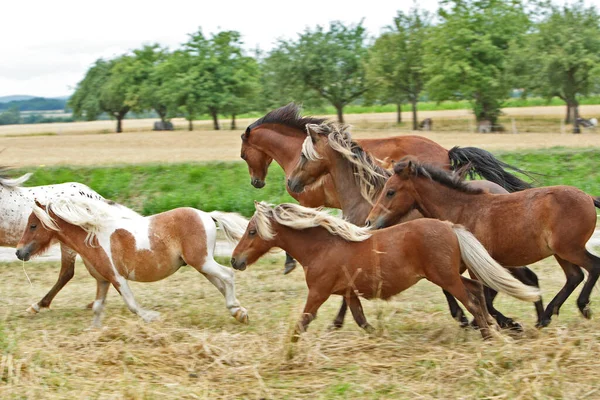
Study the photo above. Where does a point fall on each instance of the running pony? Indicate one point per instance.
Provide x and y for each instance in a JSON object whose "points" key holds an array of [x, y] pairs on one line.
{"points": [[341, 258], [280, 133], [118, 244], [328, 150], [517, 228], [16, 203]]}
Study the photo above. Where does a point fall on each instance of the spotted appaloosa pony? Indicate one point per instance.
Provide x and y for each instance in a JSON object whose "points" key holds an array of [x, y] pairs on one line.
{"points": [[341, 258], [328, 149], [279, 135], [118, 244], [516, 228], [16, 204]]}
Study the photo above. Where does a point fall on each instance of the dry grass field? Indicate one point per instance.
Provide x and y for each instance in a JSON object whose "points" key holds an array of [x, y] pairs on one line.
{"points": [[197, 351], [77, 144]]}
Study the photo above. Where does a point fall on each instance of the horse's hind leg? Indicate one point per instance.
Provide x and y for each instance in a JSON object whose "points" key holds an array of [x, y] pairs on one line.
{"points": [[455, 310], [98, 305], [223, 279], [574, 278], [592, 264], [67, 271], [358, 313]]}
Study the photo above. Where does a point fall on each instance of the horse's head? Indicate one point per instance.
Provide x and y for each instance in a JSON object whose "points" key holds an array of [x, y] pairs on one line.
{"points": [[397, 198], [314, 162], [257, 240], [257, 161], [38, 235]]}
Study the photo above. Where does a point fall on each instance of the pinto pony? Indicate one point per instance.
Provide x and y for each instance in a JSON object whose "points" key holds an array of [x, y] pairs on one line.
{"points": [[341, 258], [517, 228], [328, 150], [117, 245], [280, 133]]}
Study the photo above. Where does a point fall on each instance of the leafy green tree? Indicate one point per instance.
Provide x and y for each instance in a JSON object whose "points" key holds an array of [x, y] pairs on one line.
{"points": [[105, 89], [245, 88], [330, 64], [147, 93], [12, 116], [561, 56], [467, 53], [396, 67]]}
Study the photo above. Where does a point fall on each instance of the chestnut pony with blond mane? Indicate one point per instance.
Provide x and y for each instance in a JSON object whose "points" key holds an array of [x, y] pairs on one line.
{"points": [[517, 228], [328, 150], [341, 258], [117, 245]]}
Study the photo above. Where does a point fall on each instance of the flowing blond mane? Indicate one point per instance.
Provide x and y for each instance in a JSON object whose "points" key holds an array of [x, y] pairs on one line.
{"points": [[299, 217], [369, 176], [92, 215]]}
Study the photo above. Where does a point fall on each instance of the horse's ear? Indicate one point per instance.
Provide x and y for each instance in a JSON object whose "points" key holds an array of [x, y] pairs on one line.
{"points": [[40, 205], [312, 132], [246, 134]]}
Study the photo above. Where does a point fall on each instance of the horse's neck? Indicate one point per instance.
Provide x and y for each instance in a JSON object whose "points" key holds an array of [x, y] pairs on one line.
{"points": [[354, 206], [75, 238], [304, 245], [441, 202], [283, 144]]}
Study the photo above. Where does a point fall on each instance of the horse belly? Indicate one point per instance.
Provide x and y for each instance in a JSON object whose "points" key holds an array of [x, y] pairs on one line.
{"points": [[147, 266]]}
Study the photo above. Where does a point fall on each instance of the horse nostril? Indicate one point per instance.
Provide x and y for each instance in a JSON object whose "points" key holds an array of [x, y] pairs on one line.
{"points": [[232, 261]]}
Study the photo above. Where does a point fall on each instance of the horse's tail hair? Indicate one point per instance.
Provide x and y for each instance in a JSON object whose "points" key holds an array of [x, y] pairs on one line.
{"points": [[488, 271], [484, 164], [596, 201], [232, 224]]}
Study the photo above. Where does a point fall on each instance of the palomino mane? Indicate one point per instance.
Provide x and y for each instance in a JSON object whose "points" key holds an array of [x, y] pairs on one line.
{"points": [[288, 115], [90, 214], [299, 217], [443, 177], [369, 176]]}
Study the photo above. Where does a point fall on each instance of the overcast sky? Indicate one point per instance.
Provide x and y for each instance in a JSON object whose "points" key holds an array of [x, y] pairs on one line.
{"points": [[47, 46]]}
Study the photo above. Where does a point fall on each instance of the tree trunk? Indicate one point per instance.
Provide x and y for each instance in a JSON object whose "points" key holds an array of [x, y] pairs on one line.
{"points": [[340, 113], [162, 116], [569, 117], [215, 118], [398, 113], [576, 128], [233, 127], [414, 113], [119, 123], [190, 124]]}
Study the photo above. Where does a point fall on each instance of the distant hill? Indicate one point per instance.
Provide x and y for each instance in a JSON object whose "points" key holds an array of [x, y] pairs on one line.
{"points": [[15, 97], [34, 104]]}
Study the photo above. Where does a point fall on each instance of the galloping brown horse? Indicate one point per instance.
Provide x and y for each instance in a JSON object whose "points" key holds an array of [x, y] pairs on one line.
{"points": [[328, 150], [279, 135], [517, 228], [341, 258]]}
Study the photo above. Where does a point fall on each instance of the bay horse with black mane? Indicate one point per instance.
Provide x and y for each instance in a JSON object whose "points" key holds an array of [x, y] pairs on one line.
{"points": [[517, 228], [279, 135], [329, 150], [117, 245], [343, 259]]}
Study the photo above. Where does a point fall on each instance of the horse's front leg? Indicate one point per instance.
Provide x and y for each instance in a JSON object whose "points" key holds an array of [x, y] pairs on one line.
{"points": [[290, 264], [315, 300], [67, 271], [124, 290], [223, 279], [338, 322]]}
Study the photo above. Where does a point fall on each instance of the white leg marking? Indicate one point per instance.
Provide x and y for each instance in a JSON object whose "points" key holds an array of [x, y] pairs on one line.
{"points": [[127, 294], [99, 303], [223, 279]]}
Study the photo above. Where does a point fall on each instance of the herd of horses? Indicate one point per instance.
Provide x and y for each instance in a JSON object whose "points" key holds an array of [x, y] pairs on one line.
{"points": [[408, 215]]}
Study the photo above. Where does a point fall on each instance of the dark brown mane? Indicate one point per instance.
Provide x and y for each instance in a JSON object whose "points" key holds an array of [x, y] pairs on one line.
{"points": [[452, 181], [288, 115]]}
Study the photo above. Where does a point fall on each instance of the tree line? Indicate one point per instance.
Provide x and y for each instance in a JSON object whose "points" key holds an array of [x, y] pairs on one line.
{"points": [[473, 50]]}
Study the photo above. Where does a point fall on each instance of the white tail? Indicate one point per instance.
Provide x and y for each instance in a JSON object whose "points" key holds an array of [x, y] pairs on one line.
{"points": [[232, 224], [488, 271]]}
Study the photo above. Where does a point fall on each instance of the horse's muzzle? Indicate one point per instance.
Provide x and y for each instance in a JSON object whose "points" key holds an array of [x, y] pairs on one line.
{"points": [[240, 265], [23, 254], [295, 185], [257, 183]]}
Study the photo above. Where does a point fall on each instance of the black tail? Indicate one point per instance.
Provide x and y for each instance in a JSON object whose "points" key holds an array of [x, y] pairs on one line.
{"points": [[484, 164], [596, 201]]}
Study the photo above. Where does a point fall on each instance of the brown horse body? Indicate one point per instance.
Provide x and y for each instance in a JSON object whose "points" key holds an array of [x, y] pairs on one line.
{"points": [[340, 258], [516, 229], [118, 245]]}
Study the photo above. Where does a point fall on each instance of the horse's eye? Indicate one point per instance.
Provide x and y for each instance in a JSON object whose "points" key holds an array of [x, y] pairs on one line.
{"points": [[32, 226], [390, 193], [252, 232]]}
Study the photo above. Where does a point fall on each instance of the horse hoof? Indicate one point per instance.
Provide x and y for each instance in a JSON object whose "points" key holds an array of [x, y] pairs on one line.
{"points": [[241, 315], [334, 327], [543, 323], [586, 311], [33, 309], [149, 316], [511, 325], [289, 267], [368, 328]]}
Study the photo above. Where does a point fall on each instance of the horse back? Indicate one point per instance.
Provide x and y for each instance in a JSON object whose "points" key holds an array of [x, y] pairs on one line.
{"points": [[392, 149]]}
